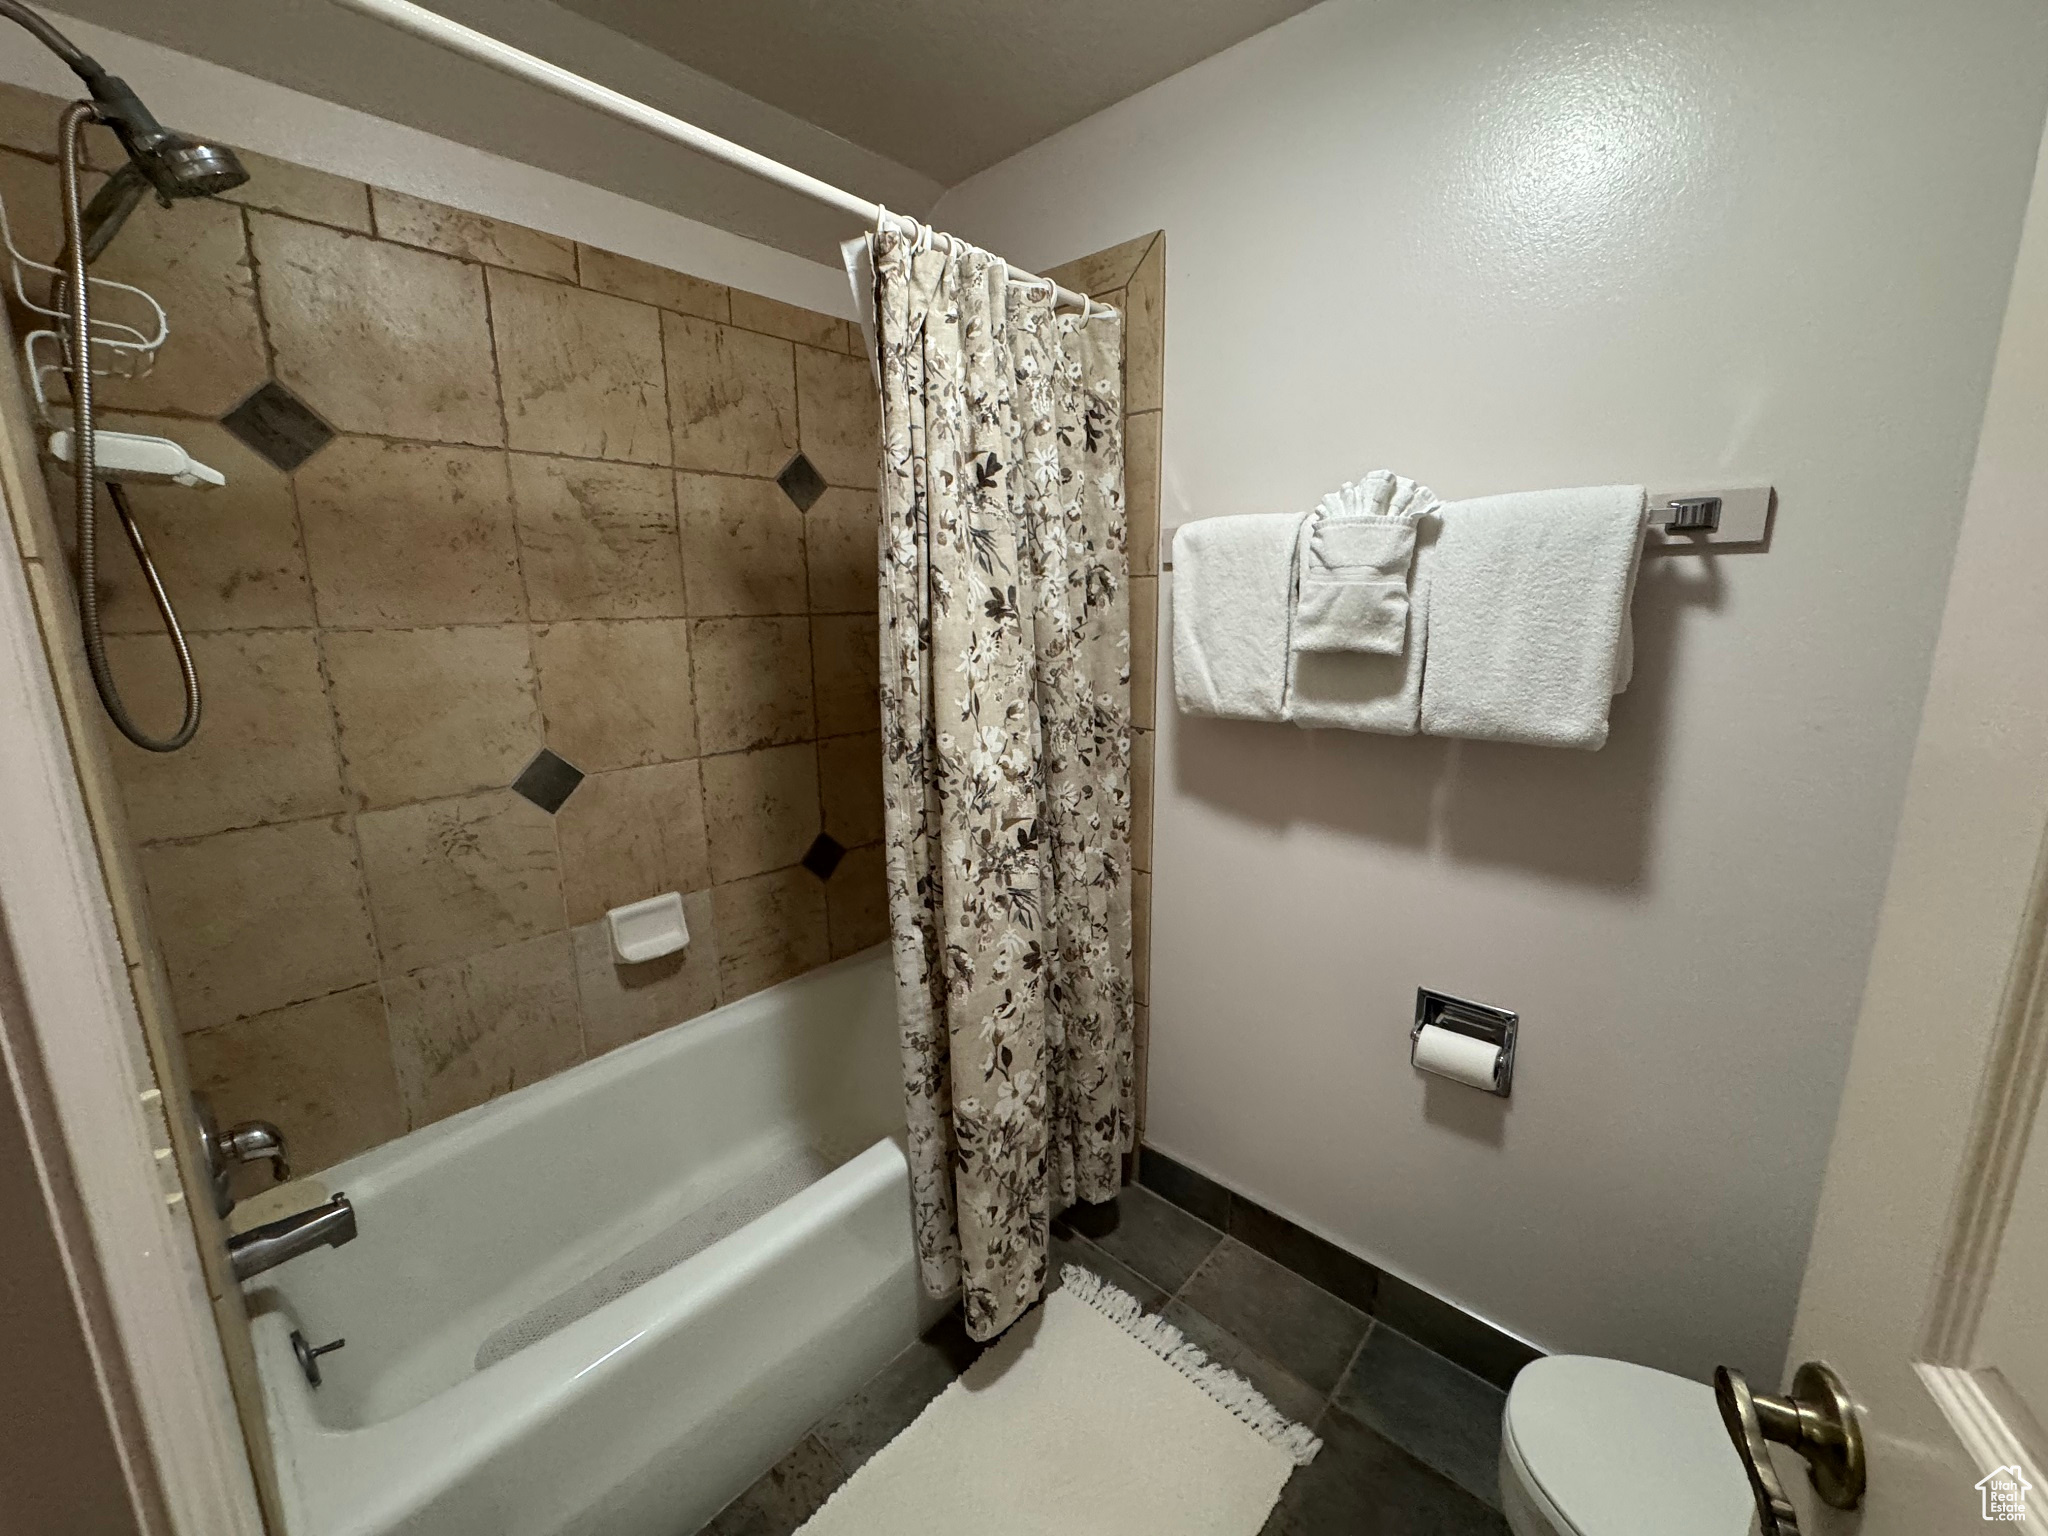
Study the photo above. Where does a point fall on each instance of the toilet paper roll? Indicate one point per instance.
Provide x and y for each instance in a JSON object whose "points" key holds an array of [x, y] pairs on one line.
{"points": [[1458, 1057]]}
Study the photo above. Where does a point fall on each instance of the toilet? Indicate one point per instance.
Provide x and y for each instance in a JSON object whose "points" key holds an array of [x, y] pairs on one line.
{"points": [[1593, 1447]]}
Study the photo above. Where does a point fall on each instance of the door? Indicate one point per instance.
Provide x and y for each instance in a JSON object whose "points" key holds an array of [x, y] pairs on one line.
{"points": [[1927, 1283]]}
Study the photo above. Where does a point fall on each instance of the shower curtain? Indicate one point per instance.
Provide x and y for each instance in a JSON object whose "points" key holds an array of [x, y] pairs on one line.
{"points": [[1006, 737]]}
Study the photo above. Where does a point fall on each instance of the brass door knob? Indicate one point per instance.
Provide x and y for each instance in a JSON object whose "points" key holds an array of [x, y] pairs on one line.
{"points": [[1818, 1421]]}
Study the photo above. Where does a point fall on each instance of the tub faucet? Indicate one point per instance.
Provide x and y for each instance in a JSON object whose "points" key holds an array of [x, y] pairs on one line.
{"points": [[269, 1245]]}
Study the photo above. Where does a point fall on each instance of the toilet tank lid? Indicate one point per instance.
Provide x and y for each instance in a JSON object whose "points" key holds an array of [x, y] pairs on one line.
{"points": [[1621, 1449]]}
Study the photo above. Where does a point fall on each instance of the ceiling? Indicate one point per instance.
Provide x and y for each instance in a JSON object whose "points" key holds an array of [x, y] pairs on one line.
{"points": [[946, 87]]}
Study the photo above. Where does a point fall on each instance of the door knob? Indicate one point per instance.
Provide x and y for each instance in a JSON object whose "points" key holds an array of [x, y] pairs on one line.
{"points": [[1817, 1420]]}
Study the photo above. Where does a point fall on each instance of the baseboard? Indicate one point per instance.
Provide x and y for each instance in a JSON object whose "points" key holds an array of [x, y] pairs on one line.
{"points": [[1450, 1330]]}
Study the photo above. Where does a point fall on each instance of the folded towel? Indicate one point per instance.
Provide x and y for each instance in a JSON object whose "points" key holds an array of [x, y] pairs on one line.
{"points": [[1528, 615], [1361, 690], [1353, 593], [1233, 589]]}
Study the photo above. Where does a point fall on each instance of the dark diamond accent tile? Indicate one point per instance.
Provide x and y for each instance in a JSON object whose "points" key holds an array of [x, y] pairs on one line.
{"points": [[898, 1393], [784, 1496], [1196, 1193], [1156, 1238], [823, 856], [1362, 1483], [801, 483], [1067, 1247], [1313, 1258], [1445, 1417], [279, 425], [1296, 1325], [1452, 1332], [548, 780], [1282, 1388]]}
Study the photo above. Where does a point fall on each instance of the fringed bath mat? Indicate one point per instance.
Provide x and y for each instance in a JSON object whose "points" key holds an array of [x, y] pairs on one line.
{"points": [[1088, 1418]]}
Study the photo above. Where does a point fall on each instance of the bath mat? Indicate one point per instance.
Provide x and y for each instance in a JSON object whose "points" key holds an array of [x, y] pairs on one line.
{"points": [[1088, 1418], [720, 1216]]}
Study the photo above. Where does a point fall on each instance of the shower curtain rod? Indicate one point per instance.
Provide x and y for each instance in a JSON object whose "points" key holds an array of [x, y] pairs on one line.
{"points": [[503, 57]]}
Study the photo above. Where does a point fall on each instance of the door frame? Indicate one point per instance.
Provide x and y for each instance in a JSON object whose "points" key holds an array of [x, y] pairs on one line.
{"points": [[73, 1062]]}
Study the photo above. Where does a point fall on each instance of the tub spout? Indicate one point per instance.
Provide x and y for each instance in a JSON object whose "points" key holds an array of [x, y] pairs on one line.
{"points": [[269, 1245]]}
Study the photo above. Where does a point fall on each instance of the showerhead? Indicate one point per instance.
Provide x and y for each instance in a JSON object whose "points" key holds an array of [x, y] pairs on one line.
{"points": [[171, 164]]}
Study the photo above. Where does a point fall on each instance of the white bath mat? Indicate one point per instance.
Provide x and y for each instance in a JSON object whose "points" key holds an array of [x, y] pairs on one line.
{"points": [[723, 1214], [1087, 1418]]}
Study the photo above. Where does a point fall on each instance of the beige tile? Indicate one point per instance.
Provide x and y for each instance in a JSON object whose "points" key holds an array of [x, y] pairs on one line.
{"points": [[770, 928], [465, 1032], [1145, 332], [857, 901], [263, 917], [453, 877], [623, 1003], [29, 187], [842, 421], [761, 809], [753, 682], [320, 1071], [472, 236], [850, 784], [193, 258], [731, 397], [1143, 745], [846, 661], [265, 749], [376, 337], [410, 534], [229, 555], [1141, 491], [278, 186], [432, 711], [597, 541], [1141, 936], [743, 545], [1100, 271], [840, 535], [631, 834], [644, 282], [581, 371], [28, 121], [1144, 649], [753, 312], [616, 692]]}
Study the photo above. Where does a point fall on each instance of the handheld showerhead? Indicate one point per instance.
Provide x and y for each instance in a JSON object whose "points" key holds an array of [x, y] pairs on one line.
{"points": [[161, 160]]}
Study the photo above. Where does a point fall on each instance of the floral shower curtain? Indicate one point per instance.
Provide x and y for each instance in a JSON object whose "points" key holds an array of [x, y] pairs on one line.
{"points": [[1006, 738]]}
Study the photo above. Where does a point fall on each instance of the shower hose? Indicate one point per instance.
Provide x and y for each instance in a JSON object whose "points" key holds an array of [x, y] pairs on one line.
{"points": [[84, 470]]}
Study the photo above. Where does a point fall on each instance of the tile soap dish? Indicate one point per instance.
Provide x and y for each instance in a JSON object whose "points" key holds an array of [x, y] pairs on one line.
{"points": [[647, 930]]}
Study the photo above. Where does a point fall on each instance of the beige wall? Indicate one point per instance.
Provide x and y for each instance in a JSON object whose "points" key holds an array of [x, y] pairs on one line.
{"points": [[549, 518], [1516, 246]]}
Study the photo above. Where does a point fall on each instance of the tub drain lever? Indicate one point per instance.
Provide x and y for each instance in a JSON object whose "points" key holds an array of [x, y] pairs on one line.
{"points": [[309, 1355]]}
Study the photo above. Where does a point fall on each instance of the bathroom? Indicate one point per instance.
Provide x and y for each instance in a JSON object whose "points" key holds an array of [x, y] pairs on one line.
{"points": [[550, 581]]}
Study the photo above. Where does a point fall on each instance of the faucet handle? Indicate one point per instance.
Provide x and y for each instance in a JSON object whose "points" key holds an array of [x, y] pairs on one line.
{"points": [[254, 1140]]}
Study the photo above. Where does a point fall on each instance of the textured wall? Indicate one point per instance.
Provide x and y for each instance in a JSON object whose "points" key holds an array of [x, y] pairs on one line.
{"points": [[1563, 243], [515, 493]]}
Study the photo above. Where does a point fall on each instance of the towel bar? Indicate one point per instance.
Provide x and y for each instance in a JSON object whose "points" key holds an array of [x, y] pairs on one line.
{"points": [[1677, 520]]}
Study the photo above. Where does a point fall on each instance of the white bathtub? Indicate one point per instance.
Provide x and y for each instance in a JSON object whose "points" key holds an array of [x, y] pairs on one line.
{"points": [[643, 1417]]}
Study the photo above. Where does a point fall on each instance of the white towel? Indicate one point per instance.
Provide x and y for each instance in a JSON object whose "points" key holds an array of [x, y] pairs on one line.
{"points": [[1528, 615], [1361, 691], [1233, 592], [1353, 592]]}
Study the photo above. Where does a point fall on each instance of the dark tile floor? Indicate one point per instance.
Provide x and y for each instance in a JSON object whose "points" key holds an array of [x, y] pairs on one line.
{"points": [[1409, 1439]]}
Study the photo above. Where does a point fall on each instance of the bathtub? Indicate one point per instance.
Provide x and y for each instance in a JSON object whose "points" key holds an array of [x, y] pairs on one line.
{"points": [[527, 1353]]}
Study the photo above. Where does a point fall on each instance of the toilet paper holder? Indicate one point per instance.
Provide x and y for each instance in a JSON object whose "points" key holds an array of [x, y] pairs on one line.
{"points": [[1479, 1021]]}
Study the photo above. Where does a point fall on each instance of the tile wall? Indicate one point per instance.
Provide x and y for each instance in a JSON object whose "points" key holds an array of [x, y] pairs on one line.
{"points": [[507, 516]]}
